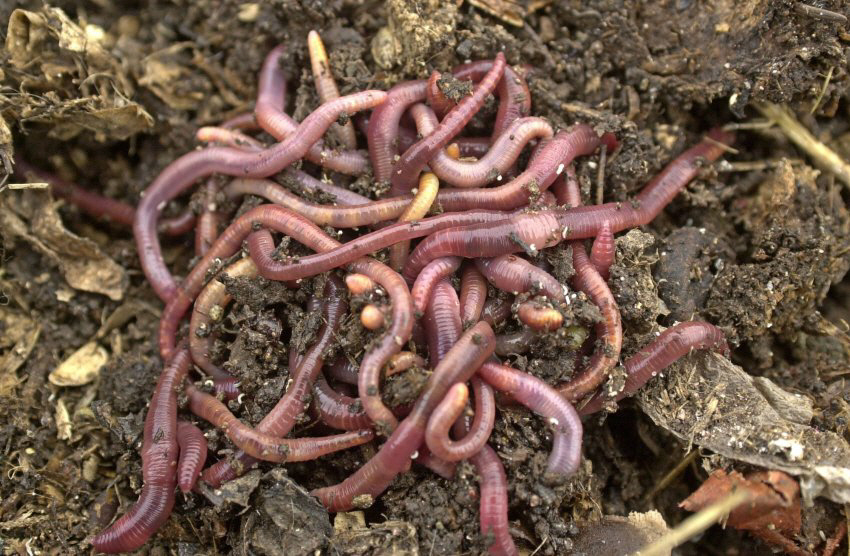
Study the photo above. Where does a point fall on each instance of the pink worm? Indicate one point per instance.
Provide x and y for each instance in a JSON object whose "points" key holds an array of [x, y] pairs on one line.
{"points": [[430, 276], [193, 454]]}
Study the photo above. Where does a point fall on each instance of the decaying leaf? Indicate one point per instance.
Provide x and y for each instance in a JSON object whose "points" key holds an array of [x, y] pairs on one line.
{"points": [[744, 426], [63, 421], [511, 12], [31, 216], [774, 502], [67, 78], [20, 334], [166, 73], [81, 367]]}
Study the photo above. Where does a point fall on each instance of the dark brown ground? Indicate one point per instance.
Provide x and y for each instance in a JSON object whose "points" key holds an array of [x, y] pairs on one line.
{"points": [[760, 253]]}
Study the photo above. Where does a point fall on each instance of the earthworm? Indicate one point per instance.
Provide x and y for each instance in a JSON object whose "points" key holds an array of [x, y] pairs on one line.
{"points": [[514, 96], [471, 350], [98, 205], [496, 162], [383, 132], [438, 101], [448, 411], [496, 311], [430, 276], [326, 86], [672, 344], [337, 410], [359, 284], [159, 465], [183, 172], [493, 504], [541, 398], [227, 387], [264, 446], [609, 331], [228, 138], [271, 116], [403, 361], [322, 215], [512, 343], [536, 178], [412, 161], [442, 321], [516, 275], [193, 454], [343, 369], [207, 310], [443, 468], [369, 243], [401, 323], [549, 227], [206, 227], [539, 317], [473, 295], [602, 251], [418, 208]]}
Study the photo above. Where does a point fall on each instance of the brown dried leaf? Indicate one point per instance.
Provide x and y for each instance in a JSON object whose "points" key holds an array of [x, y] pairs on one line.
{"points": [[81, 367], [83, 264], [774, 502], [166, 73]]}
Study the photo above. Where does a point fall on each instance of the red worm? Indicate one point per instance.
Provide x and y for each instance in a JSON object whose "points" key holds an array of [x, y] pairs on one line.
{"points": [[498, 159], [603, 250], [337, 410], [430, 276], [471, 350], [473, 295], [442, 321], [184, 171], [514, 96], [537, 177], [443, 468], [193, 454], [549, 227], [207, 310], [493, 507], [343, 370], [227, 387], [326, 86], [390, 343], [406, 171], [448, 411], [383, 132], [516, 275], [268, 447], [541, 398], [438, 101], [539, 318], [206, 229], [513, 343], [344, 254], [159, 466], [98, 205], [609, 331], [496, 311], [270, 115], [672, 344]]}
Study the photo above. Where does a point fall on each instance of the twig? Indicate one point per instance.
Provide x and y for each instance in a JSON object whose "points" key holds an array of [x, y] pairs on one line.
{"points": [[822, 155], [671, 475], [822, 90], [695, 524], [819, 13]]}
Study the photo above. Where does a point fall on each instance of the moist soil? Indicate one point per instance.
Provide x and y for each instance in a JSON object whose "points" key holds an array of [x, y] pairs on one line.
{"points": [[759, 250]]}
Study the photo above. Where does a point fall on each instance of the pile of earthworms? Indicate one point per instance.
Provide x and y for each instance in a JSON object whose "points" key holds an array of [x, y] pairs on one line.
{"points": [[489, 222]]}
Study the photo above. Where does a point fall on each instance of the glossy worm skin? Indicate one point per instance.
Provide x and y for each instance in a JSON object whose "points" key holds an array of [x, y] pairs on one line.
{"points": [[383, 132], [359, 284], [415, 158], [270, 115], [473, 295], [609, 331], [184, 171], [549, 227], [418, 208], [603, 250], [438, 101], [471, 350], [159, 466], [672, 344], [193, 454], [513, 343], [541, 398], [337, 410], [326, 86], [448, 411], [264, 446], [442, 321], [493, 507], [539, 317], [496, 311], [430, 276], [499, 158], [211, 302], [98, 205], [516, 275]]}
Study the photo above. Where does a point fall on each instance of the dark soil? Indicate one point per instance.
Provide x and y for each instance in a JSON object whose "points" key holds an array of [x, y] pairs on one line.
{"points": [[761, 253]]}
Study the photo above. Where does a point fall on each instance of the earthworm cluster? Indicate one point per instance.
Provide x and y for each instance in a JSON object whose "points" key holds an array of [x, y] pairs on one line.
{"points": [[481, 219]]}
